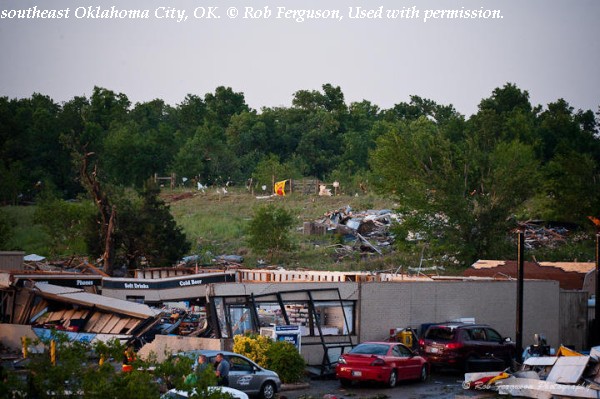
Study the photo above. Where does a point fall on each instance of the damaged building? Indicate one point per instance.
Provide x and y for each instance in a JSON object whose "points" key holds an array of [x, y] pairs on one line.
{"points": [[333, 310]]}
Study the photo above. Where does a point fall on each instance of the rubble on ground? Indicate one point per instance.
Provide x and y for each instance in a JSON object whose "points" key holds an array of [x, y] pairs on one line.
{"points": [[73, 264], [568, 374], [367, 231], [537, 234]]}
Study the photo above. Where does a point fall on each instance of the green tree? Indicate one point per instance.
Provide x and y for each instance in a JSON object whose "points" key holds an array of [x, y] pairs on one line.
{"points": [[323, 120], [66, 223], [30, 149], [147, 231], [187, 116], [207, 157], [459, 196], [248, 137], [12, 183], [107, 107], [5, 230], [270, 167], [224, 104], [269, 230], [571, 187], [133, 153], [320, 144]]}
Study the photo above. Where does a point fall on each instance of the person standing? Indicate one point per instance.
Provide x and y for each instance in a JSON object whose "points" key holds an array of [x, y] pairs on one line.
{"points": [[222, 371], [202, 364]]}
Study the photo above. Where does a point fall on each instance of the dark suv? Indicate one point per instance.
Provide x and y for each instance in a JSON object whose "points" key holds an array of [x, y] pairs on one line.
{"points": [[460, 345]]}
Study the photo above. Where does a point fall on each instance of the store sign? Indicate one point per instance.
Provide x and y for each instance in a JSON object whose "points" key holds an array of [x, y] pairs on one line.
{"points": [[62, 282], [291, 338], [162, 284], [187, 283]]}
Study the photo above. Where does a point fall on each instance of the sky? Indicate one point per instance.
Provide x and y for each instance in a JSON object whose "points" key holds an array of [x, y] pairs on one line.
{"points": [[550, 48]]}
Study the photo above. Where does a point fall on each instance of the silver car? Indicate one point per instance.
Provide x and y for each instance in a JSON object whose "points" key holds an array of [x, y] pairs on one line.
{"points": [[244, 374], [175, 394]]}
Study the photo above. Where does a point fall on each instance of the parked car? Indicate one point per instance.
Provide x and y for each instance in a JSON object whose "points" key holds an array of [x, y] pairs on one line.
{"points": [[175, 394], [244, 374], [383, 362], [459, 345]]}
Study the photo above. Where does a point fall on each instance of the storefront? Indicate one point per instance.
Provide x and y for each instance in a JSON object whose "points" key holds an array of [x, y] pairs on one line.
{"points": [[157, 291]]}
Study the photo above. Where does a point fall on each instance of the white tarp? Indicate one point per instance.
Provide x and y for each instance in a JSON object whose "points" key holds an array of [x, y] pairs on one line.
{"points": [[33, 258]]}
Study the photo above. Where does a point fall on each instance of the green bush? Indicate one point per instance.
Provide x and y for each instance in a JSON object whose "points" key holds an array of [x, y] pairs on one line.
{"points": [[254, 347], [284, 358], [279, 356], [269, 230]]}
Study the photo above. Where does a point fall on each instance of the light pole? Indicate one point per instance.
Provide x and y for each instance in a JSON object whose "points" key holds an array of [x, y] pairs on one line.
{"points": [[596, 337], [596, 331], [520, 278]]}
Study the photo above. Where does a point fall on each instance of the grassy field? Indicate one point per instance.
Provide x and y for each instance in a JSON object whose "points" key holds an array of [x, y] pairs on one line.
{"points": [[216, 223]]}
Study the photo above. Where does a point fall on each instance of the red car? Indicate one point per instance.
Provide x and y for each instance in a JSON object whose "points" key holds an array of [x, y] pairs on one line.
{"points": [[462, 345], [383, 362]]}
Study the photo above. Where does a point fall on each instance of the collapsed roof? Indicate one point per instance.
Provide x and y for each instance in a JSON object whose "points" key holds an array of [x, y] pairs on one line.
{"points": [[73, 310]]}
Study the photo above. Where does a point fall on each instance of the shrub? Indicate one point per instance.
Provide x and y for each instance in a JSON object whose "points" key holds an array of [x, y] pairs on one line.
{"points": [[284, 358], [269, 230], [254, 347], [279, 356]]}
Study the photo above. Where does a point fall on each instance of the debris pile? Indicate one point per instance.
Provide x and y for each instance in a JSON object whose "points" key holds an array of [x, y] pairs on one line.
{"points": [[539, 235], [369, 230], [74, 264], [568, 374], [208, 260]]}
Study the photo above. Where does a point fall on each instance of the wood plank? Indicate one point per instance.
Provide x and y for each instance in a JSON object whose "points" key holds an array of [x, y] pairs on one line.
{"points": [[119, 326], [112, 322]]}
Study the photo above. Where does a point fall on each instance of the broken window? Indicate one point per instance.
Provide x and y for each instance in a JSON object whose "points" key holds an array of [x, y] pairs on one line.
{"points": [[328, 316], [220, 313], [240, 314]]}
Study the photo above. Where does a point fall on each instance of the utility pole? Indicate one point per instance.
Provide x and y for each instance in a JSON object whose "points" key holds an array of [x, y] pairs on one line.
{"points": [[595, 339], [520, 278]]}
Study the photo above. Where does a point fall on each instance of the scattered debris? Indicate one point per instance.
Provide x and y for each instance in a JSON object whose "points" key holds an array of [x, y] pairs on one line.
{"points": [[369, 231], [541, 234], [74, 264], [324, 191], [569, 374], [224, 261]]}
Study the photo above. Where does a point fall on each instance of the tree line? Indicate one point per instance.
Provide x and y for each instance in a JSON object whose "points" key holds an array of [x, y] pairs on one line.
{"points": [[462, 180]]}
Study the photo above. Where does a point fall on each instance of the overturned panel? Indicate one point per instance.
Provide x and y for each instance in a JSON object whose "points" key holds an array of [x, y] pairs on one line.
{"points": [[568, 369]]}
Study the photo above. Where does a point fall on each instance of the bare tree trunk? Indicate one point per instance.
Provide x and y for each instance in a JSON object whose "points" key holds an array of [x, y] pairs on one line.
{"points": [[108, 213]]}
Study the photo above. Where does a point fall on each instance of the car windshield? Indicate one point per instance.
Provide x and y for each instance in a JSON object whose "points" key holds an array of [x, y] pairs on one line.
{"points": [[370, 349], [440, 333]]}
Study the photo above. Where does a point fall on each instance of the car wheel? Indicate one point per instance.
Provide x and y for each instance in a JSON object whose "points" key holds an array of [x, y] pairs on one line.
{"points": [[267, 391], [393, 379], [424, 374], [345, 382]]}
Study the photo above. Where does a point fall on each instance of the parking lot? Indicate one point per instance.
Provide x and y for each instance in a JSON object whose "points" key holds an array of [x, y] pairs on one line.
{"points": [[444, 385]]}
